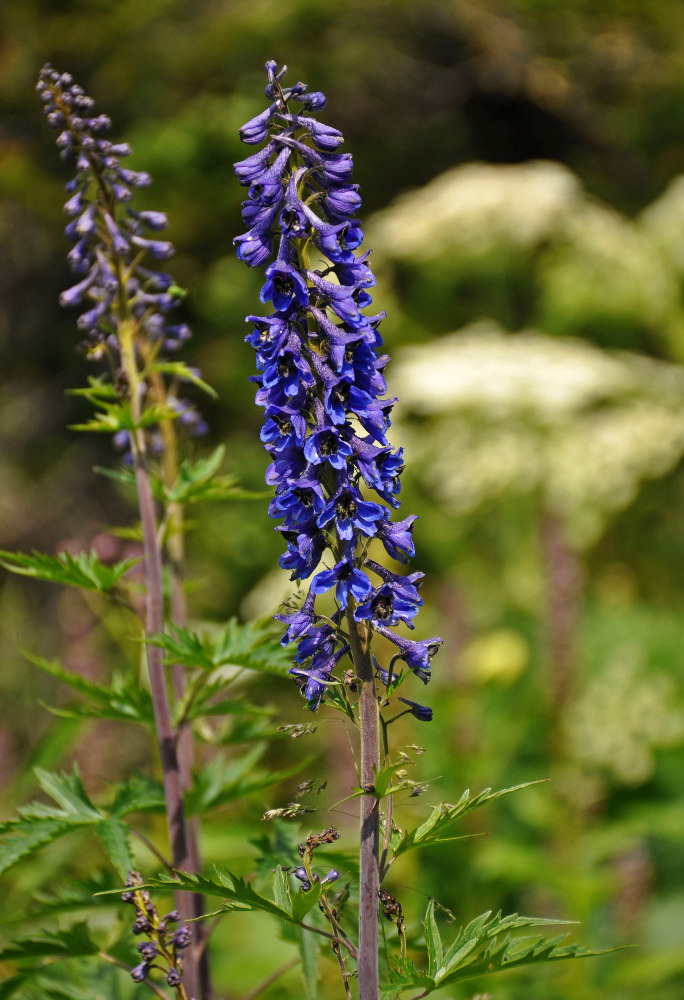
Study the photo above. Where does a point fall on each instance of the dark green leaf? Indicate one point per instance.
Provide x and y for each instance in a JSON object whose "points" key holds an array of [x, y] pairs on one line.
{"points": [[433, 940], [115, 839], [180, 370], [249, 646], [486, 945], [84, 570], [123, 700], [309, 950], [68, 791], [443, 815], [138, 794], [21, 837], [64, 943]]}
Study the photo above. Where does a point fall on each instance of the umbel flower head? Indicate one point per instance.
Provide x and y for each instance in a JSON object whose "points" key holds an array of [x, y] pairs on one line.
{"points": [[321, 384], [112, 241]]}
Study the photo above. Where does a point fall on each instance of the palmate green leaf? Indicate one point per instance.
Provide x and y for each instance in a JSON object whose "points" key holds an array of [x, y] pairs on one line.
{"points": [[69, 942], [485, 946], [239, 895], [223, 781], [122, 700], [251, 646], [433, 940], [21, 837], [139, 793], [83, 570], [40, 823], [197, 704], [442, 816], [178, 369], [68, 791], [98, 388], [115, 838], [198, 481], [66, 897], [115, 417], [233, 890]]}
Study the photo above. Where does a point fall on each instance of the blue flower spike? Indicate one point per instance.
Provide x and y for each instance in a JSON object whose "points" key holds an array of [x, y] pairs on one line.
{"points": [[320, 381]]}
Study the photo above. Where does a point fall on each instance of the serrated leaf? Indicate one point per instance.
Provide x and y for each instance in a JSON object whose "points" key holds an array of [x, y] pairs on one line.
{"points": [[115, 417], [485, 946], [309, 950], [67, 790], [123, 700], [433, 939], [66, 897], [70, 942], [281, 891], [21, 837], [139, 793], [83, 570], [233, 890], [199, 481], [124, 476], [404, 976], [182, 371], [97, 388], [114, 836], [238, 894], [248, 646], [443, 815]]}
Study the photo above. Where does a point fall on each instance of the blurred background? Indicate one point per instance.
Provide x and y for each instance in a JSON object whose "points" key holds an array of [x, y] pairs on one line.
{"points": [[522, 168]]}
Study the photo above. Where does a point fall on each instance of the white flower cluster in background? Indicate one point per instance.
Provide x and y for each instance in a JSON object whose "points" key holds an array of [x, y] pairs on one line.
{"points": [[623, 716], [579, 427]]}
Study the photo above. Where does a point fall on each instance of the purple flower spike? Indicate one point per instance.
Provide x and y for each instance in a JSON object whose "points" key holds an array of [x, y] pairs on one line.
{"points": [[322, 387], [109, 241]]}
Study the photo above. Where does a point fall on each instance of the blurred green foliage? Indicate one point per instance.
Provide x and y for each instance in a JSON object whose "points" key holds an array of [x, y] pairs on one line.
{"points": [[547, 471]]}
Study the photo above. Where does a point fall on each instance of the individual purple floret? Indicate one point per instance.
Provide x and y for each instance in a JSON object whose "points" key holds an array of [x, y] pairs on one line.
{"points": [[320, 381], [111, 240]]}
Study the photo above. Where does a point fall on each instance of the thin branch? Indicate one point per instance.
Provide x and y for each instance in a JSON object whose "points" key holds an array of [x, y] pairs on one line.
{"points": [[331, 937], [150, 846], [122, 965], [265, 983], [202, 946]]}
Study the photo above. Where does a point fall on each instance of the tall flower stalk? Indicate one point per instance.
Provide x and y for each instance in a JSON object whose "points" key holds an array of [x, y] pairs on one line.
{"points": [[336, 476], [127, 321]]}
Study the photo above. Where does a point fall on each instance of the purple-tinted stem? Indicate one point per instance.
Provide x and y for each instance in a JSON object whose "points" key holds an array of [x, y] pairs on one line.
{"points": [[369, 880], [185, 749], [154, 625]]}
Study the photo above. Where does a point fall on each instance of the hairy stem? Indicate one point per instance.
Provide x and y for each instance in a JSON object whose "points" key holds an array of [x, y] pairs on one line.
{"points": [[369, 718]]}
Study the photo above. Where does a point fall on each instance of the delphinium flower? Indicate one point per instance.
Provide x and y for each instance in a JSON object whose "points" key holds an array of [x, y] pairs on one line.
{"points": [[162, 950], [127, 305], [321, 384], [337, 478]]}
